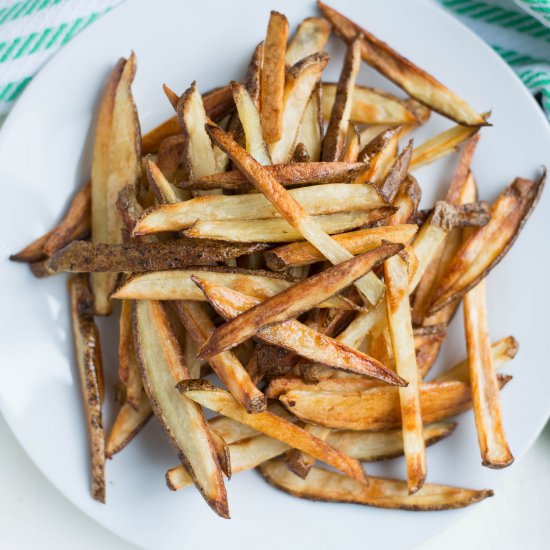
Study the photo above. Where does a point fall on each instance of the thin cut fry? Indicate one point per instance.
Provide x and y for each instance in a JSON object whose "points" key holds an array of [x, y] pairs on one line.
{"points": [[88, 355], [495, 452], [213, 398], [310, 37], [399, 322], [389, 186], [273, 77], [310, 132], [296, 300], [164, 191], [252, 81], [417, 83], [379, 153], [128, 367], [381, 492]]}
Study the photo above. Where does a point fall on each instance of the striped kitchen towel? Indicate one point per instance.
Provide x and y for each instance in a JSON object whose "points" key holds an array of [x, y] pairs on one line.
{"points": [[31, 31]]}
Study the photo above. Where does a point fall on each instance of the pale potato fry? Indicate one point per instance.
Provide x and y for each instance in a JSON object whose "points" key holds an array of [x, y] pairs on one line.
{"points": [[417, 83], [297, 299], [273, 77], [371, 106], [495, 452], [128, 367], [381, 493], [301, 80], [323, 199], [310, 37], [115, 165], [396, 278], [310, 131], [164, 191], [335, 135], [213, 398]]}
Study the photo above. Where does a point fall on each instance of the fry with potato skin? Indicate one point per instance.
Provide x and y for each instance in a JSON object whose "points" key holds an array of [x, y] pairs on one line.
{"points": [[369, 285], [161, 365], [213, 398], [379, 154], [226, 365], [310, 131], [417, 83], [296, 300], [287, 174], [310, 37], [34, 251], [115, 165], [495, 452], [295, 336], [329, 486], [389, 186], [377, 408], [127, 361], [88, 355], [273, 77], [333, 142], [399, 322]]}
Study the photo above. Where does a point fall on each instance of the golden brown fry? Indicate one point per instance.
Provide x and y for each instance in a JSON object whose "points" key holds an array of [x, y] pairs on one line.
{"points": [[489, 244], [84, 256], [127, 361], [252, 80], [161, 365], [301, 80], [396, 278], [115, 165], [169, 158], [371, 106], [377, 408], [226, 365], [353, 144], [287, 174], [323, 199], [88, 355], [417, 83], [215, 399], [333, 142], [297, 337], [252, 127], [128, 423], [310, 37], [300, 153], [357, 242], [381, 492], [300, 463], [33, 252], [310, 131], [495, 452], [379, 153], [297, 299], [390, 185], [273, 77], [164, 191], [172, 96]]}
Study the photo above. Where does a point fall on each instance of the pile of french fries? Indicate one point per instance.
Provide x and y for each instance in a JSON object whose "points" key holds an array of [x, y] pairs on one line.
{"points": [[270, 233]]}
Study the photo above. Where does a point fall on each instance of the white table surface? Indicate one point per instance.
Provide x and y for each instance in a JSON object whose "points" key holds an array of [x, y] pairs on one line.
{"points": [[33, 514]]}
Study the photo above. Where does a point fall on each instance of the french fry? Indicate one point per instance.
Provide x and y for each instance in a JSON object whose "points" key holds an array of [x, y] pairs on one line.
{"points": [[495, 452], [488, 245], [442, 144], [203, 393], [161, 365], [353, 144], [381, 492], [323, 199], [380, 154], [115, 165], [371, 106], [164, 191], [333, 142], [33, 252], [297, 337], [389, 186], [296, 300], [310, 37], [84, 256], [287, 174], [310, 131], [252, 81], [300, 153], [198, 155], [370, 286], [226, 365], [356, 242], [278, 230], [128, 367], [301, 80], [252, 127], [178, 285], [399, 321], [273, 77], [417, 83], [128, 423], [172, 96], [169, 158], [300, 463], [88, 355], [406, 201]]}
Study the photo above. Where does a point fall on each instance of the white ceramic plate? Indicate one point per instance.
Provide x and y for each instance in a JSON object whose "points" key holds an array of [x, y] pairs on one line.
{"points": [[45, 154]]}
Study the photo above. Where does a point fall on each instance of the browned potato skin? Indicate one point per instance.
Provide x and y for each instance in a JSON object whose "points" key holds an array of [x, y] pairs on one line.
{"points": [[391, 184], [86, 337], [327, 486], [378, 408], [83, 256], [287, 174]]}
